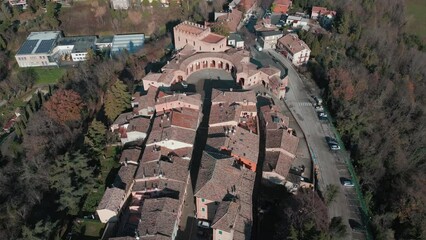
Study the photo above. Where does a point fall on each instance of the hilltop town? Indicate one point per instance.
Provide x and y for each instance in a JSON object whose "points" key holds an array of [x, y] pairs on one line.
{"points": [[227, 119]]}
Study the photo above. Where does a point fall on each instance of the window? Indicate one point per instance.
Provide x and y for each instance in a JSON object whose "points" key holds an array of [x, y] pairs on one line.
{"points": [[203, 209], [213, 49], [220, 232], [202, 199]]}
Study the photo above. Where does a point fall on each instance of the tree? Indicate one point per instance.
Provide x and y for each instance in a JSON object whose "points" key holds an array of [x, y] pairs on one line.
{"points": [[41, 230], [96, 135], [72, 178], [27, 77], [65, 106], [337, 228], [117, 99], [52, 10], [331, 192], [221, 29]]}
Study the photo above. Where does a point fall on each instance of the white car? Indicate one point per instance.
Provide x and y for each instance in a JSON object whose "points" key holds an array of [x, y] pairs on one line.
{"points": [[203, 224], [348, 183]]}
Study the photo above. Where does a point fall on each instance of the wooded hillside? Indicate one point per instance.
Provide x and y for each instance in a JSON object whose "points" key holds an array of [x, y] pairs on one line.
{"points": [[374, 77]]}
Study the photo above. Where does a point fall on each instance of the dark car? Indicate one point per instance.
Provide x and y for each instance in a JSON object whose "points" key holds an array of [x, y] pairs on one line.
{"points": [[332, 143]]}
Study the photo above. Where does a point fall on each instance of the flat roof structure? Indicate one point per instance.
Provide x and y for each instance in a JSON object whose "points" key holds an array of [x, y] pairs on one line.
{"points": [[39, 42], [81, 44], [130, 42]]}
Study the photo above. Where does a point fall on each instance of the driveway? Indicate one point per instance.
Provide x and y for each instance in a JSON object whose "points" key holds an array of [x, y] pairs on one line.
{"points": [[330, 164]]}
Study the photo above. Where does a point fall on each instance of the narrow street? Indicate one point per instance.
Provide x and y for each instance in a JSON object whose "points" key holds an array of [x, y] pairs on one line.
{"points": [[331, 165]]}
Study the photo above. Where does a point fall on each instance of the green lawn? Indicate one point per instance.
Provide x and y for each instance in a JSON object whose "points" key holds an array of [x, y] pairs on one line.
{"points": [[416, 17], [87, 229], [49, 75]]}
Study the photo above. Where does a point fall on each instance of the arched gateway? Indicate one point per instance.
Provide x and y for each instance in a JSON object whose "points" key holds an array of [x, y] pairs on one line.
{"points": [[237, 63]]}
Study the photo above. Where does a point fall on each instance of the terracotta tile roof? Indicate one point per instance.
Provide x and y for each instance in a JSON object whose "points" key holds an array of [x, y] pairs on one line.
{"points": [[221, 113], [158, 217], [123, 118], [216, 177], [186, 118], [112, 199], [231, 19], [181, 99], [130, 154], [139, 124], [282, 139], [237, 214], [270, 70], [171, 133], [175, 169], [244, 144], [293, 44], [185, 153], [225, 216], [125, 176], [150, 154], [283, 164], [220, 96], [213, 38], [322, 11], [161, 188], [277, 161], [273, 118], [148, 100]]}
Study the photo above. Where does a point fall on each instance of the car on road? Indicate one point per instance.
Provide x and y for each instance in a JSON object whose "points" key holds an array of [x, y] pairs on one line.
{"points": [[319, 108], [322, 116], [332, 143], [203, 224]]}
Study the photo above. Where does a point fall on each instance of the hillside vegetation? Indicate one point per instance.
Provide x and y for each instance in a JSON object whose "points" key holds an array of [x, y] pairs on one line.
{"points": [[375, 83]]}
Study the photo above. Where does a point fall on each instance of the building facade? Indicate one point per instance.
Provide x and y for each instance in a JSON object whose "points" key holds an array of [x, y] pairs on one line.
{"points": [[37, 50], [294, 49], [268, 39], [199, 37]]}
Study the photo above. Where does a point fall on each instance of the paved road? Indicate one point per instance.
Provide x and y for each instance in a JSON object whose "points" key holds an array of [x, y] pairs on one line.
{"points": [[331, 165]]}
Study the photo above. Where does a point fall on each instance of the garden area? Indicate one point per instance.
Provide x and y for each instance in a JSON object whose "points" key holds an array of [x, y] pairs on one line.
{"points": [[48, 75]]}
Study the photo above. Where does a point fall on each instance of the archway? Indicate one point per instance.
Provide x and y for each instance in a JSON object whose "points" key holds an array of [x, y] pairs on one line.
{"points": [[241, 81]]}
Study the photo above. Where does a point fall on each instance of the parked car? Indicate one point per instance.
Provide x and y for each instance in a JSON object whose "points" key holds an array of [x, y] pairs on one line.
{"points": [[348, 183], [203, 224], [332, 143], [319, 108], [322, 116]]}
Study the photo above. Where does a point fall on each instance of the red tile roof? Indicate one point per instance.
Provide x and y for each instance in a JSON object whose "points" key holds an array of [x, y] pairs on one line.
{"points": [[212, 38]]}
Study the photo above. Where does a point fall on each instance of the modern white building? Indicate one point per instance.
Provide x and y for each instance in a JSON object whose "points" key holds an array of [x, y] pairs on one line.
{"points": [[77, 47], [296, 21], [120, 4], [37, 49]]}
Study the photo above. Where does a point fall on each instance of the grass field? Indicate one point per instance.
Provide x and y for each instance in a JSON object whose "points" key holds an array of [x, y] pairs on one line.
{"points": [[49, 75], [416, 17]]}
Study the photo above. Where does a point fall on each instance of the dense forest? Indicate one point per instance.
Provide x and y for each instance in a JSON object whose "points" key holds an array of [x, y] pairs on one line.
{"points": [[374, 77]]}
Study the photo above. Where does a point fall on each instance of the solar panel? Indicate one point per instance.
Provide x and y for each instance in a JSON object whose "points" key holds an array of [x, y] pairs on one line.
{"points": [[28, 47], [45, 46]]}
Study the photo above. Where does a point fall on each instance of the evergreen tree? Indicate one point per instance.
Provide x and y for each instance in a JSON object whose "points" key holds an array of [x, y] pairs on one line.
{"points": [[41, 230], [72, 177], [117, 100], [96, 135]]}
